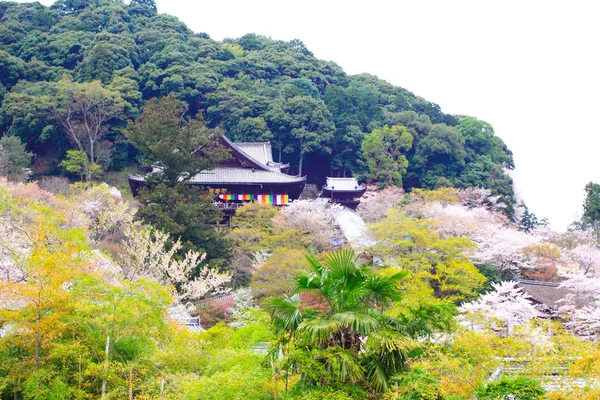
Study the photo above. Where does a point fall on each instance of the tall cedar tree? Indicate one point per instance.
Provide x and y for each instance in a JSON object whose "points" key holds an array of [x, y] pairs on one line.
{"points": [[591, 207], [182, 147]]}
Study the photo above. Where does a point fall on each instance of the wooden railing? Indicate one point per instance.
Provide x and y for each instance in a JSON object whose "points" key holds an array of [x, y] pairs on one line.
{"points": [[229, 206]]}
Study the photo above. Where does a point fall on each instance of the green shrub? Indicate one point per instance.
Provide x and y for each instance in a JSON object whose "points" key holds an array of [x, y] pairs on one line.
{"points": [[520, 388]]}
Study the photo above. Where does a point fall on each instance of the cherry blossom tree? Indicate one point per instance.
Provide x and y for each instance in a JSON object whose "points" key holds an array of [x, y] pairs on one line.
{"points": [[586, 321], [109, 215], [503, 248], [312, 218], [455, 220], [586, 257], [243, 302], [374, 204], [479, 197], [147, 254], [506, 305], [582, 291]]}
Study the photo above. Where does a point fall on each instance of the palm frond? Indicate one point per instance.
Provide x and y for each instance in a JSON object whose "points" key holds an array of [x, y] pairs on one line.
{"points": [[308, 280], [319, 330], [348, 366], [286, 313], [376, 375], [389, 348], [342, 263], [383, 288], [357, 322], [315, 264]]}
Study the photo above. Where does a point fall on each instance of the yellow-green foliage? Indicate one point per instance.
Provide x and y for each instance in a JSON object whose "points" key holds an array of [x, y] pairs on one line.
{"points": [[275, 277], [235, 49], [421, 310], [458, 366], [415, 245], [255, 216], [443, 195]]}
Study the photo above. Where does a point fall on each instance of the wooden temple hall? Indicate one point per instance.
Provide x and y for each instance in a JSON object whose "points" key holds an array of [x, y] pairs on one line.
{"points": [[249, 175]]}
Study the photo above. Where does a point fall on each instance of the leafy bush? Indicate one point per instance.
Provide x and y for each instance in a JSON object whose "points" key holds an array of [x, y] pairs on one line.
{"points": [[520, 388]]}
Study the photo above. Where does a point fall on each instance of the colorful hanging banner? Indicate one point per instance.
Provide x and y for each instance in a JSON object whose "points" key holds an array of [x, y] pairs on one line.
{"points": [[275, 199]]}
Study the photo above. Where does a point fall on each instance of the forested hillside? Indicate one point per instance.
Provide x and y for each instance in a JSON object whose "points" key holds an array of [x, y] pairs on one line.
{"points": [[253, 88], [452, 292]]}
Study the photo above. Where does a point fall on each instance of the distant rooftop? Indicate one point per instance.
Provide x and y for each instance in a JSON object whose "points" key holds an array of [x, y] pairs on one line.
{"points": [[243, 176], [344, 184], [547, 293], [260, 151]]}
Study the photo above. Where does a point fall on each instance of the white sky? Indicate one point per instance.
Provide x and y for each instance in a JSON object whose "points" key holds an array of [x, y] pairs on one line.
{"points": [[530, 68]]}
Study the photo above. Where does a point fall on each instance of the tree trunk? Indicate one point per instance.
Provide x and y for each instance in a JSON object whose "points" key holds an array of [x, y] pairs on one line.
{"points": [[301, 157], [88, 172], [131, 383], [37, 341], [105, 367], [274, 379]]}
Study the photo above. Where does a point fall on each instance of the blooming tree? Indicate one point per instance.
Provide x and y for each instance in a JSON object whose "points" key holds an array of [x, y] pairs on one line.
{"points": [[314, 219], [507, 304], [586, 257], [455, 220], [503, 248], [148, 255], [243, 301], [109, 215], [586, 321], [258, 258], [582, 291], [374, 204]]}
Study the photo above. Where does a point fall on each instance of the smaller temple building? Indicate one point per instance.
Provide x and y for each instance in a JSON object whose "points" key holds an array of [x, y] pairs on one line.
{"points": [[248, 175], [344, 191]]}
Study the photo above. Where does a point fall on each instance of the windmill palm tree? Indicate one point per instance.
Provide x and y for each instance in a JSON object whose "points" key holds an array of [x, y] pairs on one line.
{"points": [[357, 343]]}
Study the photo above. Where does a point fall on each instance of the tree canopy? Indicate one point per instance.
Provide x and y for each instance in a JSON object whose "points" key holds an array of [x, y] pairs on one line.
{"points": [[253, 88]]}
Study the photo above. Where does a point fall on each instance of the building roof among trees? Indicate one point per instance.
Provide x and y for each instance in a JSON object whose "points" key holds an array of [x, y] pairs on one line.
{"points": [[243, 176], [546, 293], [343, 184], [256, 165]]}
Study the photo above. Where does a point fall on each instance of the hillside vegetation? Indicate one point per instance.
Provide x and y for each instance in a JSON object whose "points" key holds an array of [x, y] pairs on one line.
{"points": [[106, 296], [85, 291], [321, 120]]}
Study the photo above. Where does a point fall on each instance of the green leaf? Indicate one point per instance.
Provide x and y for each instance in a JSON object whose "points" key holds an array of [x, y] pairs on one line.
{"points": [[357, 322]]}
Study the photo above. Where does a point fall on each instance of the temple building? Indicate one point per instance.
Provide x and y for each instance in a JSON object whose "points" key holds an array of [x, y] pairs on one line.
{"points": [[249, 175], [344, 191]]}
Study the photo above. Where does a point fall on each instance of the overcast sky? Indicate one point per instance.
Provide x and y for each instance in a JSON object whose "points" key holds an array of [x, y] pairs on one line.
{"points": [[530, 68]]}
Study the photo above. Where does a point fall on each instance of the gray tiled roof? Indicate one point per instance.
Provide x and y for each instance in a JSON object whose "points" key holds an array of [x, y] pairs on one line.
{"points": [[547, 293], [260, 151], [243, 175], [258, 154]]}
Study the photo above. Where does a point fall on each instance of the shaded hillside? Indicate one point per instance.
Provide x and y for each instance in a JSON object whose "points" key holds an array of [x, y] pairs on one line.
{"points": [[254, 88]]}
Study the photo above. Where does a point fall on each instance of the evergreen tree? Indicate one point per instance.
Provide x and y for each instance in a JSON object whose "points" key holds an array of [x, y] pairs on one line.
{"points": [[529, 221], [14, 159], [591, 207]]}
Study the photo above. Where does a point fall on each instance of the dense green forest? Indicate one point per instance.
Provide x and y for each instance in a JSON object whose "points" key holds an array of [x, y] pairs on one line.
{"points": [[253, 88]]}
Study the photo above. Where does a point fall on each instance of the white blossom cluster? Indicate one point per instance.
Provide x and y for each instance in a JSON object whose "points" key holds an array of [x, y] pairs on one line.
{"points": [[374, 204], [314, 219], [148, 255], [507, 305]]}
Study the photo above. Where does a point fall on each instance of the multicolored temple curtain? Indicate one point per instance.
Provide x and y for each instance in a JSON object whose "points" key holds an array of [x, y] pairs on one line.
{"points": [[275, 199]]}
